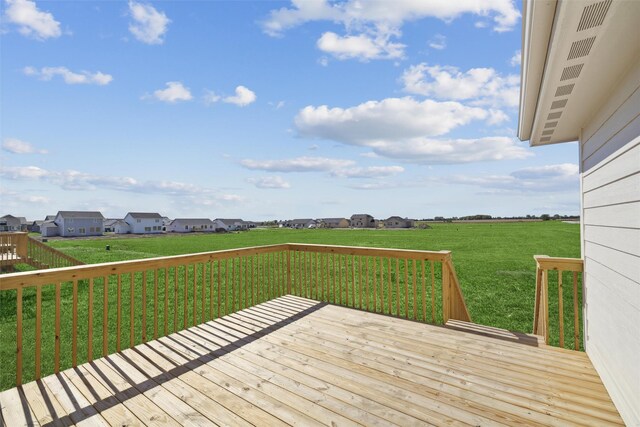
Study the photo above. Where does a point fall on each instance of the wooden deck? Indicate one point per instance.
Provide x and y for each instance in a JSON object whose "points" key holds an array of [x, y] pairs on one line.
{"points": [[299, 362]]}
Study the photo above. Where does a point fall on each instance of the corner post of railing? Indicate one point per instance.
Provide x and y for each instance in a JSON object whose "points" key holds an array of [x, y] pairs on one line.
{"points": [[289, 269], [21, 245], [541, 309], [446, 291]]}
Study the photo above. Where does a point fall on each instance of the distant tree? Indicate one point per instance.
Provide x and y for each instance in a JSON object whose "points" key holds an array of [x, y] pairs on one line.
{"points": [[545, 217]]}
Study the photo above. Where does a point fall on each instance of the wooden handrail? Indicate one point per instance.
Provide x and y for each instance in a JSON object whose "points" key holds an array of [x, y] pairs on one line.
{"points": [[544, 264], [174, 290]]}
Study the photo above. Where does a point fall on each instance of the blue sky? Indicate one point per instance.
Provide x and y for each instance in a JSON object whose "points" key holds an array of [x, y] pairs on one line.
{"points": [[270, 110]]}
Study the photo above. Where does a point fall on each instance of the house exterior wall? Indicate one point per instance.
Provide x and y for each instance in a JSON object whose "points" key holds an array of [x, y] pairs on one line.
{"points": [[362, 221], [144, 225], [49, 231], [74, 227], [610, 181]]}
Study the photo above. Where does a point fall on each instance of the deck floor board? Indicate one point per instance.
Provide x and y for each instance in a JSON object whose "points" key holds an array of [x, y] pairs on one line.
{"points": [[295, 361]]}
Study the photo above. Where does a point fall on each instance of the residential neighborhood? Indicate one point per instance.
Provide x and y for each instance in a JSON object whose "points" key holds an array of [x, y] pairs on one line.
{"points": [[93, 223]]}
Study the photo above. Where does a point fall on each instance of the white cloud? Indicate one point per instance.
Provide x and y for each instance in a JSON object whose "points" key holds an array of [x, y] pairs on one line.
{"points": [[298, 164], [479, 86], [210, 97], [389, 119], [69, 77], [270, 182], [31, 22], [551, 178], [450, 151], [438, 42], [16, 146], [73, 180], [242, 98], [516, 59], [368, 172], [148, 24], [370, 25], [363, 47], [404, 129], [174, 92]]}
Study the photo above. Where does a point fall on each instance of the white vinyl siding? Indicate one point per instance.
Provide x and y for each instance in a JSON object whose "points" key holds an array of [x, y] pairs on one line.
{"points": [[610, 166]]}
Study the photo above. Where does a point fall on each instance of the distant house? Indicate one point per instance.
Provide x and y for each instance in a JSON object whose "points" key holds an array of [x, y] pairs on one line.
{"points": [[34, 227], [189, 225], [49, 229], [333, 223], [301, 223], [230, 224], [398, 222], [118, 226], [144, 222], [362, 221], [10, 223], [79, 223]]}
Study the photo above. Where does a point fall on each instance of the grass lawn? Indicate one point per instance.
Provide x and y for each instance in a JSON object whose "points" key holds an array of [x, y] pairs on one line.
{"points": [[494, 263]]}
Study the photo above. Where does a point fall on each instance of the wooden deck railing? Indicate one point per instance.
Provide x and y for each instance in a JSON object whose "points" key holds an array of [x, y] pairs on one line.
{"points": [[82, 311], [19, 248], [567, 306]]}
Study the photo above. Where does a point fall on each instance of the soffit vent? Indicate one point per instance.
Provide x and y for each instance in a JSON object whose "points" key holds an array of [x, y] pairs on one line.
{"points": [[547, 132], [550, 125], [581, 48], [545, 139], [558, 104], [554, 116], [564, 90], [593, 15], [572, 72]]}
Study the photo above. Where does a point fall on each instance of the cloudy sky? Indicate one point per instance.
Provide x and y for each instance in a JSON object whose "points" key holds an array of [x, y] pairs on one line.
{"points": [[268, 109]]}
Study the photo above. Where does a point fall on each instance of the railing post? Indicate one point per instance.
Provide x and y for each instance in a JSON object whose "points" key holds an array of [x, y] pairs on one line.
{"points": [[446, 292], [21, 245]]}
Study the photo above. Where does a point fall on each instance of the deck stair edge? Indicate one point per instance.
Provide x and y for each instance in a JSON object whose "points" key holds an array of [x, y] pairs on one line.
{"points": [[497, 333]]}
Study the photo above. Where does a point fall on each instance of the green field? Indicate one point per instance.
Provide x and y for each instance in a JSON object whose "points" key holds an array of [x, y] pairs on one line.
{"points": [[494, 263]]}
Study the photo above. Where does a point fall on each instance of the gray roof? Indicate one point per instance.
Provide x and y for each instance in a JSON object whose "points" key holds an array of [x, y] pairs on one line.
{"points": [[397, 218], [301, 221], [332, 219], [229, 221], [192, 221], [50, 218], [145, 215], [361, 216], [80, 214], [48, 224]]}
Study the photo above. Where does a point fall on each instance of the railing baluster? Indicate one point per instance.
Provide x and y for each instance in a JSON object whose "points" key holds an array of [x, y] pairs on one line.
{"points": [[155, 303], [202, 292], [375, 286], [233, 285], [195, 293], [144, 306], [166, 300], [415, 292], [90, 322], [366, 283], [132, 306], [56, 357], [105, 315], [360, 280], [576, 317], [119, 312], [185, 297], [38, 331], [433, 293], [211, 290], [19, 335], [175, 298], [406, 289], [397, 287], [390, 285], [74, 338], [424, 292], [381, 285], [560, 309]]}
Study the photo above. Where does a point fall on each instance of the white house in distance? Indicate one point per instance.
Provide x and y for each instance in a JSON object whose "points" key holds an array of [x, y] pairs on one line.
{"points": [[581, 82], [79, 223], [144, 222], [230, 224], [189, 225]]}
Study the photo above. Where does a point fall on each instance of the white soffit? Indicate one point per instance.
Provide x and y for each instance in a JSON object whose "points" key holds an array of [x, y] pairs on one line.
{"points": [[592, 45]]}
